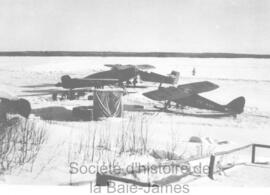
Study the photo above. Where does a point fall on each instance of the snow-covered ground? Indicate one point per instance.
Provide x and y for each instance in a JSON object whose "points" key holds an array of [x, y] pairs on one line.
{"points": [[164, 132]]}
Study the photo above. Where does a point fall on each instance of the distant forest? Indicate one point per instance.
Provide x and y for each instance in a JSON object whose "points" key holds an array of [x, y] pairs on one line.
{"points": [[129, 54]]}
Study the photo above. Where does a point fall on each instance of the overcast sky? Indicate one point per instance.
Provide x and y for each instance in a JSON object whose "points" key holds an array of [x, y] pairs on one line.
{"points": [[241, 26]]}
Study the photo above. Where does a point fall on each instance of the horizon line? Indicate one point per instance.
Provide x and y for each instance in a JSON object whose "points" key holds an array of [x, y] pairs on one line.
{"points": [[130, 54]]}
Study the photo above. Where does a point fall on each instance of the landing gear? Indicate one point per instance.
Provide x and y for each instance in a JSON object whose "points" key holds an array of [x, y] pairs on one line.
{"points": [[160, 86], [128, 83], [121, 84], [134, 82], [167, 105], [67, 95], [71, 95], [54, 96], [81, 93]]}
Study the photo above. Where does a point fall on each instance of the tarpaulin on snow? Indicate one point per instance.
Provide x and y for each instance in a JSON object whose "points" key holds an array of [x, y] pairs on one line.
{"points": [[107, 104]]}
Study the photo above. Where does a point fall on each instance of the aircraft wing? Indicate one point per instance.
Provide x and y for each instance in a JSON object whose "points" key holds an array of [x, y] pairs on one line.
{"points": [[92, 81], [169, 93], [39, 86], [145, 66], [33, 94], [198, 87], [98, 80], [51, 91], [121, 67], [182, 91], [118, 66]]}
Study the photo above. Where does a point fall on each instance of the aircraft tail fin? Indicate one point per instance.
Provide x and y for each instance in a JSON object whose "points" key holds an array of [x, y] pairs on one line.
{"points": [[237, 105], [65, 78], [176, 76]]}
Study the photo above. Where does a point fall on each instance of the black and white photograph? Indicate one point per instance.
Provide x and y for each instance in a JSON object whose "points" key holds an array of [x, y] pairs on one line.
{"points": [[135, 96]]}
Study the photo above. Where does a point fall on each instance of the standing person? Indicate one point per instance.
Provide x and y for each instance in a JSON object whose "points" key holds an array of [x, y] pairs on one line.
{"points": [[193, 72]]}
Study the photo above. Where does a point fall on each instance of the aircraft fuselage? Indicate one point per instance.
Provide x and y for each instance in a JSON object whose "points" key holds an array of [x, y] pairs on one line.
{"points": [[73, 83], [197, 101]]}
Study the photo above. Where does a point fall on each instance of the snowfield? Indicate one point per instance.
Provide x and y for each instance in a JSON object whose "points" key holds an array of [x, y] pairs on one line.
{"points": [[139, 135]]}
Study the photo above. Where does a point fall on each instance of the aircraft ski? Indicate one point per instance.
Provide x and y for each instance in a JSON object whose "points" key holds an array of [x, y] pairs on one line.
{"points": [[195, 114]]}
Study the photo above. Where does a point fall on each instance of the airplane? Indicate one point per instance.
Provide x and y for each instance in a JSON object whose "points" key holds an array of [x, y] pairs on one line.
{"points": [[124, 73], [116, 76], [76, 87], [186, 95]]}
